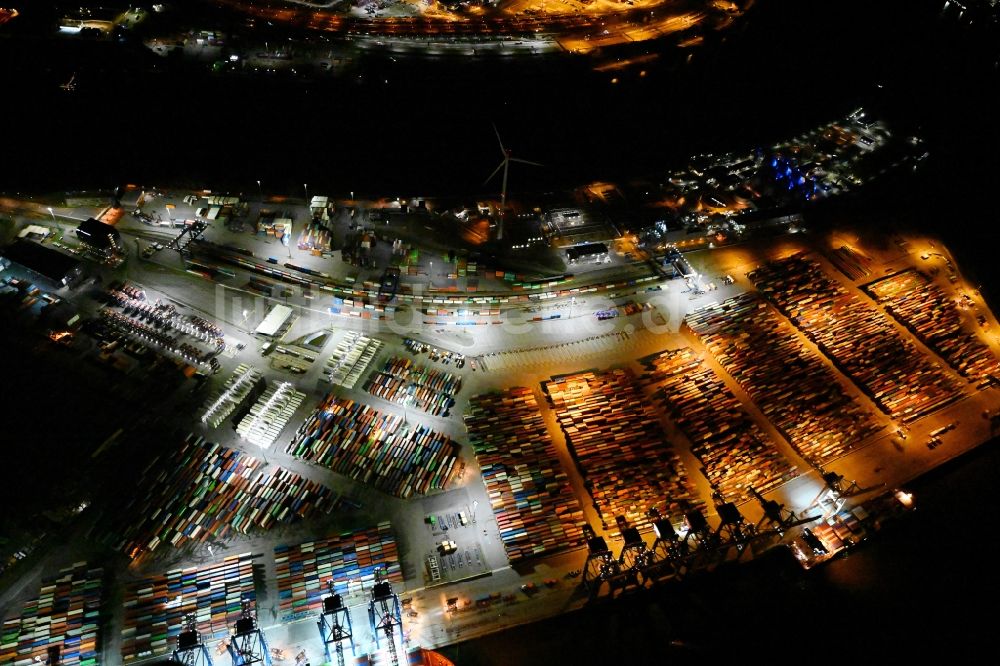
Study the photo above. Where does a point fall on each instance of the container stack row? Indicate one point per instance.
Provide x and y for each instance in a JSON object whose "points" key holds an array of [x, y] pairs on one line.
{"points": [[350, 359], [530, 495], [627, 464], [231, 396], [736, 455], [858, 337], [203, 490], [65, 617], [314, 237], [851, 263], [279, 496], [404, 382], [924, 308], [375, 448], [270, 414], [789, 382], [155, 608], [348, 560]]}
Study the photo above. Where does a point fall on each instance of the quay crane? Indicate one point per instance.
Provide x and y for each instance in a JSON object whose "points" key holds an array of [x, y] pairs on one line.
{"points": [[385, 616], [248, 645], [335, 626], [834, 496], [733, 529], [601, 565], [668, 549], [777, 517], [635, 558], [699, 533], [190, 649]]}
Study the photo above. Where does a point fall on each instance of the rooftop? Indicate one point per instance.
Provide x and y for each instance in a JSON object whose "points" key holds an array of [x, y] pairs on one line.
{"points": [[48, 263]]}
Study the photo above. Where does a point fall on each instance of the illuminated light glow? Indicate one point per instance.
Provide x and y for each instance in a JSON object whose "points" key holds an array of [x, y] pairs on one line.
{"points": [[904, 498]]}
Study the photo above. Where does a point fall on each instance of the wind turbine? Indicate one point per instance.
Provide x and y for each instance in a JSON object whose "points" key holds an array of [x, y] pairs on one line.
{"points": [[505, 165]]}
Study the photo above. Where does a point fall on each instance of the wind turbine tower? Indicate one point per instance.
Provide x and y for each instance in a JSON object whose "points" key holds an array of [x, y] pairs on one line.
{"points": [[505, 165]]}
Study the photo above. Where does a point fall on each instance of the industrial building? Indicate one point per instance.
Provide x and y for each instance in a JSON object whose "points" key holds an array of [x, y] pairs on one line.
{"points": [[99, 237], [275, 321], [595, 252], [54, 266]]}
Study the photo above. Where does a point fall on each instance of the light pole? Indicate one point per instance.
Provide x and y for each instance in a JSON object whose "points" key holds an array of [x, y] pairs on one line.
{"points": [[352, 195], [475, 503], [305, 186], [52, 214], [260, 191]]}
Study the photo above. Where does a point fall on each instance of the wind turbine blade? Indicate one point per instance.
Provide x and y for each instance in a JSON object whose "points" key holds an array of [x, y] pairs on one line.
{"points": [[499, 140], [518, 159], [495, 172]]}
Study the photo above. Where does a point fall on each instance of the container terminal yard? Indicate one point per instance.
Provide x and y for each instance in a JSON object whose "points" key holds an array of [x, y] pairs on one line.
{"points": [[373, 445]]}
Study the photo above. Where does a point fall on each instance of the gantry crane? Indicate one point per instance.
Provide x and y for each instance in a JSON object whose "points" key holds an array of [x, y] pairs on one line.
{"points": [[190, 649], [601, 565], [634, 558], [733, 529], [668, 549], [698, 531], [248, 645], [189, 234], [776, 517], [335, 626], [385, 616]]}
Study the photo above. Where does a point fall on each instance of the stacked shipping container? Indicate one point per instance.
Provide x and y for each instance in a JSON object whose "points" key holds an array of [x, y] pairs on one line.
{"points": [[790, 384], [530, 495], [375, 448], [432, 390], [155, 608], [350, 359], [735, 453], [614, 436], [903, 382], [349, 560], [231, 396], [202, 489], [270, 414], [64, 616], [926, 310]]}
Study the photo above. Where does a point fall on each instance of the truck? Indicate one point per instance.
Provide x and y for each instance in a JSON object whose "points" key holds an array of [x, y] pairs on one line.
{"points": [[389, 285]]}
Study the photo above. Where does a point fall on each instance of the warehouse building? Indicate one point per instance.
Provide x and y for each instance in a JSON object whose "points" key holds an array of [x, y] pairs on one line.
{"points": [[275, 321], [594, 252], [99, 237], [54, 266]]}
